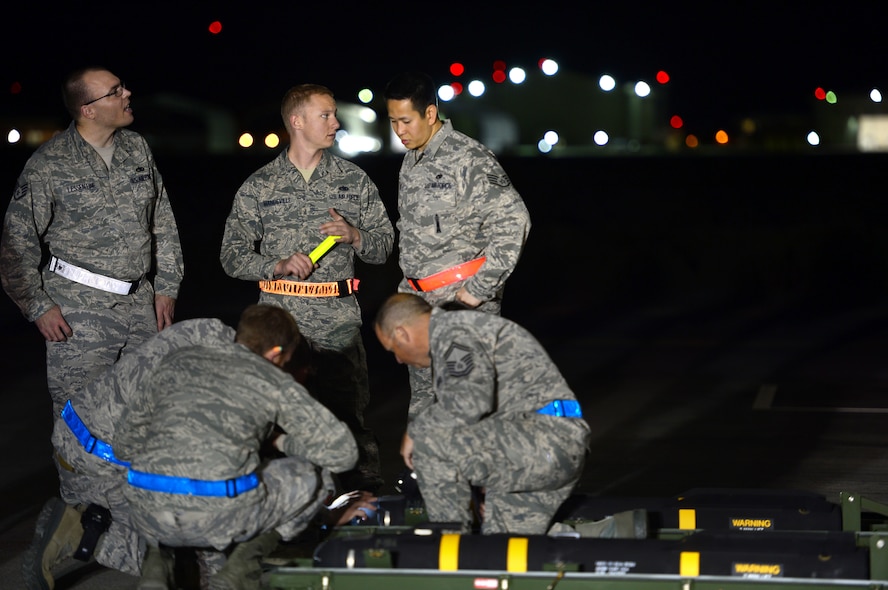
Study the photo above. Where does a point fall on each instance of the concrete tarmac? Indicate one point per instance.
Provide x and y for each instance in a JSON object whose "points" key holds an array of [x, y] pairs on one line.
{"points": [[716, 336], [782, 396]]}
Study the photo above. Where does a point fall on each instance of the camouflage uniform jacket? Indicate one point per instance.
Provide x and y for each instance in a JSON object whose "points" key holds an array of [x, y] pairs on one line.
{"points": [[279, 209], [456, 203], [486, 366], [206, 412], [117, 222], [100, 404]]}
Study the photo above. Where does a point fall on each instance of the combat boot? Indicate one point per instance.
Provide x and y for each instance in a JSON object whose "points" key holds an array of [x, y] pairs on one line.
{"points": [[243, 569], [157, 569], [56, 537]]}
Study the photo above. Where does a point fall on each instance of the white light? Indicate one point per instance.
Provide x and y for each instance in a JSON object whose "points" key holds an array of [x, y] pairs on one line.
{"points": [[355, 144], [544, 147], [607, 83], [13, 136], [517, 75], [476, 87], [813, 138], [549, 67], [642, 88], [367, 115], [875, 95], [365, 95], [446, 93], [600, 138], [551, 137]]}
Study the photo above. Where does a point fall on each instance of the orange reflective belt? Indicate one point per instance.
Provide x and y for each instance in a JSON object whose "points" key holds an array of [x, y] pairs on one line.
{"points": [[335, 289], [447, 277]]}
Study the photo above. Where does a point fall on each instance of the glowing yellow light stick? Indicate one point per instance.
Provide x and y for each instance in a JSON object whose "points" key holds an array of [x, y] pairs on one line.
{"points": [[323, 248]]}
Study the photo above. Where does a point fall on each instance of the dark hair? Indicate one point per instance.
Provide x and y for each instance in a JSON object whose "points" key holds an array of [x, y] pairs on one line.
{"points": [[296, 98], [418, 87], [74, 90], [261, 327]]}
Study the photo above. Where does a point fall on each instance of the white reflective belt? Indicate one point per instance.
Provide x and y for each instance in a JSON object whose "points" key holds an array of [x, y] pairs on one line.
{"points": [[91, 279]]}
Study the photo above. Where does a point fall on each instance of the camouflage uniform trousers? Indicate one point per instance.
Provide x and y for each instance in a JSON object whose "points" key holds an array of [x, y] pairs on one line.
{"points": [[295, 492], [340, 380], [120, 547], [527, 463], [100, 337], [420, 379]]}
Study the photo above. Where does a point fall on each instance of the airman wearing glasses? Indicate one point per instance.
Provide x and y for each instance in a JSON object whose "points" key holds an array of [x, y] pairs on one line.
{"points": [[93, 199]]}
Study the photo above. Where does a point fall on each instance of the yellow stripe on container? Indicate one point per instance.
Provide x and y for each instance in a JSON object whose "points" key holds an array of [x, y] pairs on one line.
{"points": [[687, 518], [448, 553], [516, 555], [689, 564]]}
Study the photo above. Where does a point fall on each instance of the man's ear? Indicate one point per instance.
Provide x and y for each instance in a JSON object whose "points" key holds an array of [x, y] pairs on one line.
{"points": [[274, 355], [432, 114], [401, 333]]}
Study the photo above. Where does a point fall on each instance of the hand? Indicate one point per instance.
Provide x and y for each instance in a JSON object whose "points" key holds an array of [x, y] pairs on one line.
{"points": [[164, 307], [348, 506], [467, 298], [298, 265], [407, 450], [53, 325], [340, 227]]}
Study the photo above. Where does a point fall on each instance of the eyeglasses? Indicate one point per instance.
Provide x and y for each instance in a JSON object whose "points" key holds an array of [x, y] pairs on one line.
{"points": [[117, 93]]}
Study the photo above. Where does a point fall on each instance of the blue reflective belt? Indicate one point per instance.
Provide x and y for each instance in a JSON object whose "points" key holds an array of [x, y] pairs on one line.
{"points": [[90, 443], [565, 408], [193, 487]]}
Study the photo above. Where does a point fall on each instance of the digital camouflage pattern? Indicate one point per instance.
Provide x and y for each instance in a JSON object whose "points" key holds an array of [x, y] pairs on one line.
{"points": [[490, 378], [205, 414], [117, 222], [456, 203], [279, 209], [89, 479]]}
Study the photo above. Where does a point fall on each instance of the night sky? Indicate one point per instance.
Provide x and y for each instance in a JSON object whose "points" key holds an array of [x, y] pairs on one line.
{"points": [[722, 57]]}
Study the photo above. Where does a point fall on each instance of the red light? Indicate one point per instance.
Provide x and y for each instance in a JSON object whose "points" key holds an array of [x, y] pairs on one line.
{"points": [[662, 77], [15, 88], [457, 88], [499, 65], [215, 27], [820, 93], [499, 76], [676, 122], [457, 69]]}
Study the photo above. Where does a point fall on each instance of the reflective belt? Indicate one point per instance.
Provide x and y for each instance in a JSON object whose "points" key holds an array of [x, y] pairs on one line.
{"points": [[448, 276], [563, 408], [297, 289], [171, 484], [91, 444], [91, 279]]}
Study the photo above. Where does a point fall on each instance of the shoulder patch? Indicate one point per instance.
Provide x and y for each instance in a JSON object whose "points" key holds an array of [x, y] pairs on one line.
{"points": [[20, 192], [458, 361], [499, 179]]}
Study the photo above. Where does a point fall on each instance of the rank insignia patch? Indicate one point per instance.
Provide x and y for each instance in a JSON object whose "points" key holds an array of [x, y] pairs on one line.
{"points": [[458, 361], [499, 179]]}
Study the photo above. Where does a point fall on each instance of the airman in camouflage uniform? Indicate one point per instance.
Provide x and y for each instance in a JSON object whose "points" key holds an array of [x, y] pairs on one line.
{"points": [[289, 207], [93, 199], [96, 477], [504, 418], [203, 416], [456, 204]]}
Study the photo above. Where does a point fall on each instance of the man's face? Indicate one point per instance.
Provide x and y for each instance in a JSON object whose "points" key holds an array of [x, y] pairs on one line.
{"points": [[407, 346], [110, 111], [413, 128], [318, 121]]}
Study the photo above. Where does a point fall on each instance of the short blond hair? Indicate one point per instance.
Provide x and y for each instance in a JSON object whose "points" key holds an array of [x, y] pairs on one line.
{"points": [[297, 97]]}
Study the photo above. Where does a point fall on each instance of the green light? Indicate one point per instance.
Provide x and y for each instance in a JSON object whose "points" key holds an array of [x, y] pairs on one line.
{"points": [[831, 97]]}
